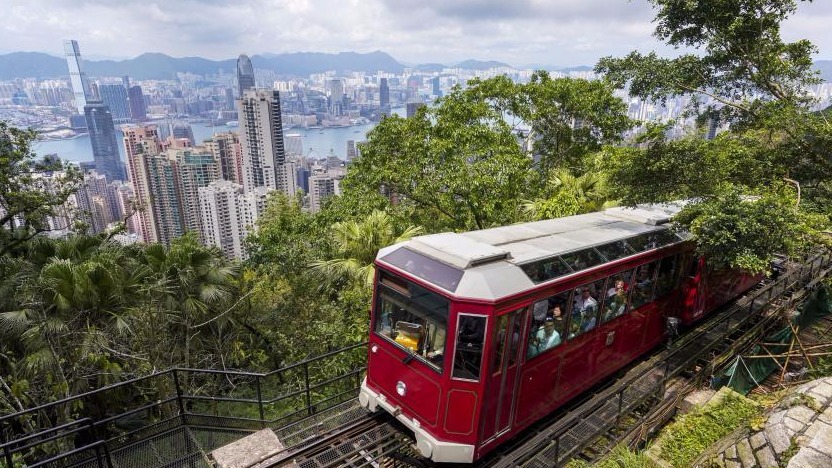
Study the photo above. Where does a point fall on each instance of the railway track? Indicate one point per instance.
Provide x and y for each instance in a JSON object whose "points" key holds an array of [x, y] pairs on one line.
{"points": [[627, 408]]}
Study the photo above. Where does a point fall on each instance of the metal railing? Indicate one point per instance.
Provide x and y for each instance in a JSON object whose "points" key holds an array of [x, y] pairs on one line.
{"points": [[91, 426]]}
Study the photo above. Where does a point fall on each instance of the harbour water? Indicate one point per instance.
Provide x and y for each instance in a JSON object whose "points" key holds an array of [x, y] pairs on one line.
{"points": [[316, 142]]}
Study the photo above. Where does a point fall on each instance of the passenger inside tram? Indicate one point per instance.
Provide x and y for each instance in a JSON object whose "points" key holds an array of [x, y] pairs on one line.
{"points": [[544, 338], [617, 304]]}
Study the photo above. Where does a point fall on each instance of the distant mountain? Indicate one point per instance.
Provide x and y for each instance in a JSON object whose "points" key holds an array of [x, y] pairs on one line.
{"points": [[579, 68], [825, 68], [430, 67], [480, 65], [31, 65], [163, 67]]}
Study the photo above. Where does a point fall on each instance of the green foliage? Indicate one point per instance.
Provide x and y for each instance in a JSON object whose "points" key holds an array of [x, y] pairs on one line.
{"points": [[572, 195], [26, 199], [458, 165], [687, 437], [760, 85], [739, 232], [356, 245], [622, 457], [741, 63]]}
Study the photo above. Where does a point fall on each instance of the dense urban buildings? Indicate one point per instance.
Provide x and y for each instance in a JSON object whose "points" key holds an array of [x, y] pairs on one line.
{"points": [[189, 171]]}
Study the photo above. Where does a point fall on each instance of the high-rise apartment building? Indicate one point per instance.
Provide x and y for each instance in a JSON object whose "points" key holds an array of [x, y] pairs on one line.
{"points": [[103, 140], [138, 108], [384, 96], [294, 144], [245, 74], [336, 95], [352, 152], [412, 108], [115, 97], [77, 78], [228, 214], [323, 185], [227, 151], [141, 142], [165, 198], [261, 138], [195, 168]]}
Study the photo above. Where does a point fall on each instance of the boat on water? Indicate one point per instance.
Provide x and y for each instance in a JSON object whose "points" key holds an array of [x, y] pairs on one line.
{"points": [[232, 123]]}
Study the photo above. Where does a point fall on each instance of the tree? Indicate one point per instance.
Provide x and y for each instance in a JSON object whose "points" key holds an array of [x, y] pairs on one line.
{"points": [[356, 246], [27, 197], [744, 74], [571, 196], [459, 164]]}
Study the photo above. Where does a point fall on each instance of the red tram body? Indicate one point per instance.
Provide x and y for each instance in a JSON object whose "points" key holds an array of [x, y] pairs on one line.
{"points": [[475, 336]]}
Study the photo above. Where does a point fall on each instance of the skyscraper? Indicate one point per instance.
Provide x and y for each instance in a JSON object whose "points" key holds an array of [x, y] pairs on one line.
{"points": [[138, 109], [245, 74], [228, 214], [226, 149], [80, 87], [413, 108], [139, 143], [336, 94], [195, 168], [104, 142], [384, 96], [115, 96], [261, 137]]}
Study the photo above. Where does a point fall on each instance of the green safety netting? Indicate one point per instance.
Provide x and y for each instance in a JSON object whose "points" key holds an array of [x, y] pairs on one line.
{"points": [[746, 373]]}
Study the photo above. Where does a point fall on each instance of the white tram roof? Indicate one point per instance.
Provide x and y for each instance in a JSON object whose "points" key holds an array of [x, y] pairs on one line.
{"points": [[492, 263]]}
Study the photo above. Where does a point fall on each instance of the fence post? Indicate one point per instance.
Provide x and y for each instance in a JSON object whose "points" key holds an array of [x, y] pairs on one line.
{"points": [[309, 408], [557, 451], [7, 455], [178, 394], [260, 403]]}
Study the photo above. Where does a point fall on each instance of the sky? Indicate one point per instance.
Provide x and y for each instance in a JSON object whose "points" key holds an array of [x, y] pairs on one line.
{"points": [[518, 32]]}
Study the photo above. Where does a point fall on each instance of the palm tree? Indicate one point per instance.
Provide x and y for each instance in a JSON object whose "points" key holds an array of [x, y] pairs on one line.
{"points": [[571, 195], [356, 244], [191, 286]]}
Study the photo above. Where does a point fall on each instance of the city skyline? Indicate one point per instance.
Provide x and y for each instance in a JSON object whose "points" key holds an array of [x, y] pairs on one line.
{"points": [[564, 33]]}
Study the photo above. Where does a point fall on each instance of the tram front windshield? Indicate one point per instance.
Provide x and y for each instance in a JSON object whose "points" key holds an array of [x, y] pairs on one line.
{"points": [[412, 317]]}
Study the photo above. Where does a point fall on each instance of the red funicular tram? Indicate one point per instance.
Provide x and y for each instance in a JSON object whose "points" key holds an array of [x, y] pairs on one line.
{"points": [[475, 336]]}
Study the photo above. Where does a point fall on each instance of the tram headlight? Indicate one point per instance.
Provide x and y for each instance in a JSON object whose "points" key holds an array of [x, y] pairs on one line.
{"points": [[401, 388]]}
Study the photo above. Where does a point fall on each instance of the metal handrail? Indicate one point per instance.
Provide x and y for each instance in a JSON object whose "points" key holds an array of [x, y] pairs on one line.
{"points": [[175, 375]]}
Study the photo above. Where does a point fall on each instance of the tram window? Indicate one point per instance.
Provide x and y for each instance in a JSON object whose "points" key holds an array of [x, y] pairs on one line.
{"points": [[617, 301], [644, 284], [585, 306], [653, 240], [414, 318], [469, 343], [546, 269], [583, 259], [616, 250], [435, 272], [668, 272], [499, 344], [517, 329], [548, 329]]}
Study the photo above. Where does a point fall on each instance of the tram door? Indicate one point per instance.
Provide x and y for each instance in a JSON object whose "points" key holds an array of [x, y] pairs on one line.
{"points": [[503, 375]]}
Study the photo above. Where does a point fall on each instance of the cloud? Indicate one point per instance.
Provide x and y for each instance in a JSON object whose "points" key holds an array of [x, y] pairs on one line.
{"points": [[557, 32]]}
